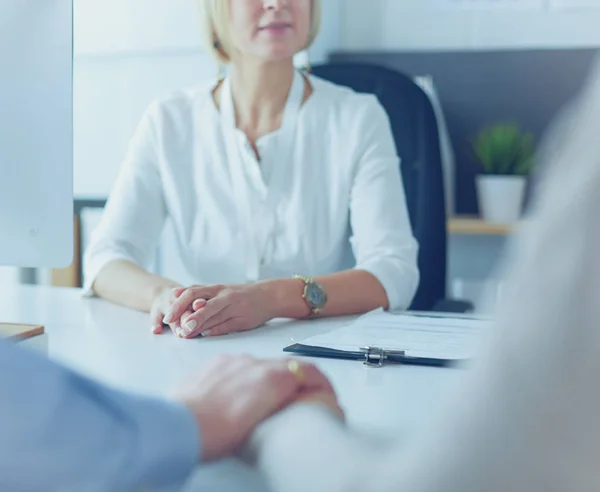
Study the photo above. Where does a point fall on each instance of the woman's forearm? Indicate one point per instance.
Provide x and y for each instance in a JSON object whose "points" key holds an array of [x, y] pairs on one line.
{"points": [[348, 292], [129, 285]]}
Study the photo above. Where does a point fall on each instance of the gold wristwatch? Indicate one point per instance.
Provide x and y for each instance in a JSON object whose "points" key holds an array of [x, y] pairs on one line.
{"points": [[314, 294]]}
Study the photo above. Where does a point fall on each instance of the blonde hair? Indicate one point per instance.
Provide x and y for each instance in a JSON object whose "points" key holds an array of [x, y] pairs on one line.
{"points": [[214, 22]]}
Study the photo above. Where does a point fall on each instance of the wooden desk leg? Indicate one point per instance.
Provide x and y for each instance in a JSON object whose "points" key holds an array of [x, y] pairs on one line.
{"points": [[70, 276]]}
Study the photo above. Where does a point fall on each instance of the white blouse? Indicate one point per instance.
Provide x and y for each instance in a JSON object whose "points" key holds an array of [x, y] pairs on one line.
{"points": [[326, 195]]}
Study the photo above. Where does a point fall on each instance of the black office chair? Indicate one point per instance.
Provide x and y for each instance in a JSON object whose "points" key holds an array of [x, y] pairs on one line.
{"points": [[415, 130]]}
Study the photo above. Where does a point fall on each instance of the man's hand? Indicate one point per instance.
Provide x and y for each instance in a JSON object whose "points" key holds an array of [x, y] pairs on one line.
{"points": [[326, 399], [235, 394]]}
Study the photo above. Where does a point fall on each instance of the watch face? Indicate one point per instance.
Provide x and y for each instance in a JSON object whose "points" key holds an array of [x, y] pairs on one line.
{"points": [[315, 295]]}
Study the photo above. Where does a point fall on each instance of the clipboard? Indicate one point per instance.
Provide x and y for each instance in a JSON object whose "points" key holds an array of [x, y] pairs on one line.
{"points": [[381, 337], [370, 356]]}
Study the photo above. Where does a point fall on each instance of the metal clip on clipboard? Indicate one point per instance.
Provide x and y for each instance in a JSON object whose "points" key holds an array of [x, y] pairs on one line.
{"points": [[376, 357]]}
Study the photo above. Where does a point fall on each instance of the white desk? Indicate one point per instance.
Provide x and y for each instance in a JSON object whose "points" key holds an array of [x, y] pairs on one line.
{"points": [[115, 345]]}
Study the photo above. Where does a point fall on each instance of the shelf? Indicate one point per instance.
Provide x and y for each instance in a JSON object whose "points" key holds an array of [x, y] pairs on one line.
{"points": [[471, 225]]}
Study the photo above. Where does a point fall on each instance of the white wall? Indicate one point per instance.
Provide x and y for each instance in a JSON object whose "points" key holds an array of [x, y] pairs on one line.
{"points": [[8, 276], [127, 52], [427, 24]]}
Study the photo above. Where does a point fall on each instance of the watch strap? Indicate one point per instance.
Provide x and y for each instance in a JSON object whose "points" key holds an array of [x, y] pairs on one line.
{"points": [[314, 310]]}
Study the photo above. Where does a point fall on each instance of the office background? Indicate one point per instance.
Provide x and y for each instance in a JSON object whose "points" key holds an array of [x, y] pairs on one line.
{"points": [[127, 52]]}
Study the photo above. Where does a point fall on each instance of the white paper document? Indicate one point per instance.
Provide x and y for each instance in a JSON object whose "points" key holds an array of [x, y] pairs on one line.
{"points": [[446, 338]]}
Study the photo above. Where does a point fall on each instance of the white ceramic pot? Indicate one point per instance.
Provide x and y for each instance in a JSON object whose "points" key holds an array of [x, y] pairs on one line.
{"points": [[501, 198]]}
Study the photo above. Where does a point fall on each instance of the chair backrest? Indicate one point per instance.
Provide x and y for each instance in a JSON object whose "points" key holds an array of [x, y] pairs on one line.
{"points": [[416, 134]]}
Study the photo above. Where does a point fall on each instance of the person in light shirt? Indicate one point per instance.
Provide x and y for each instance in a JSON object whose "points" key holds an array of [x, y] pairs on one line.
{"points": [[62, 431], [526, 418], [284, 190]]}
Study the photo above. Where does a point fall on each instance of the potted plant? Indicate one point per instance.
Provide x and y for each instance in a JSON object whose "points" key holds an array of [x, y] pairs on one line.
{"points": [[506, 157]]}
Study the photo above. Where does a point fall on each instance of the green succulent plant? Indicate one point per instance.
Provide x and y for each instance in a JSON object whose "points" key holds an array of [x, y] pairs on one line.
{"points": [[503, 149]]}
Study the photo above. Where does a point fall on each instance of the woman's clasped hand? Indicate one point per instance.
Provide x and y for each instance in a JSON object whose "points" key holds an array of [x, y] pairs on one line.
{"points": [[211, 310]]}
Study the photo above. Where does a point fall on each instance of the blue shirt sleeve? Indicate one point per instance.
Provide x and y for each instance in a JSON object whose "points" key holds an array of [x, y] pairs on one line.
{"points": [[61, 431]]}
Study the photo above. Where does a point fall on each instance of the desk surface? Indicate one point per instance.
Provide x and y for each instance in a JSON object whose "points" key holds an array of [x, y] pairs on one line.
{"points": [[115, 345]]}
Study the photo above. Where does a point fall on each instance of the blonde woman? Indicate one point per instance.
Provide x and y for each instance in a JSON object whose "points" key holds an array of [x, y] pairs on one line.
{"points": [[284, 190]]}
